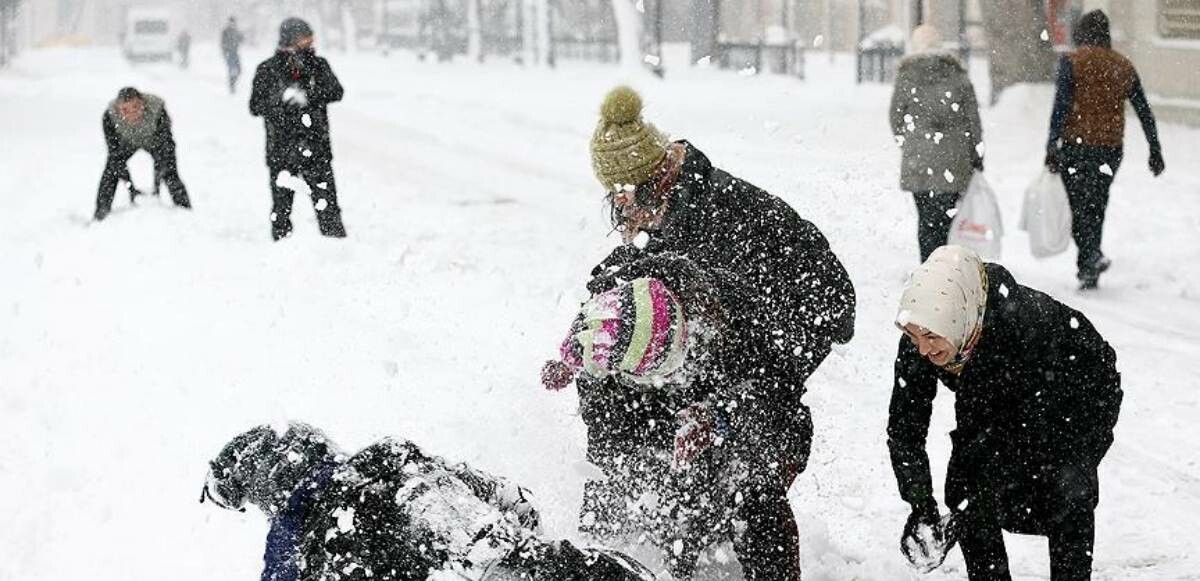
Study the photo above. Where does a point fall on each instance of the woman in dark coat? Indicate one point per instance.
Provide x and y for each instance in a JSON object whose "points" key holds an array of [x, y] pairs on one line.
{"points": [[1087, 134], [934, 116], [1037, 395], [787, 299]]}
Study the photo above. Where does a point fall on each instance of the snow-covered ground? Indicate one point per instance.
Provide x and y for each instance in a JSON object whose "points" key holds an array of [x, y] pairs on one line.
{"points": [[131, 350]]}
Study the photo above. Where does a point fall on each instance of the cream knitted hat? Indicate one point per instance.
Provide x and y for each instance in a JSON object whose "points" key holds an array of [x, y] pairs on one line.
{"points": [[946, 295]]}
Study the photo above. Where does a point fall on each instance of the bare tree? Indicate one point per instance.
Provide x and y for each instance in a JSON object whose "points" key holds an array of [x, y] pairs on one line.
{"points": [[1019, 37], [629, 33], [8, 41]]}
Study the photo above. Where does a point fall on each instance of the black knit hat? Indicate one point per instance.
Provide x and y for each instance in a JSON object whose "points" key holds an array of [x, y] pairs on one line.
{"points": [[1093, 30], [129, 94], [293, 29]]}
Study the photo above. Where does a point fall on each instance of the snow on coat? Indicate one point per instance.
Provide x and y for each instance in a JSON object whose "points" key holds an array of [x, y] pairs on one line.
{"points": [[1039, 395], [291, 92], [389, 512], [935, 117], [772, 298]]}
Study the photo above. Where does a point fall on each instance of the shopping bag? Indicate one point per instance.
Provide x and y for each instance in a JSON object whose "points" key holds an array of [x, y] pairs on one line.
{"points": [[977, 223], [1046, 216]]}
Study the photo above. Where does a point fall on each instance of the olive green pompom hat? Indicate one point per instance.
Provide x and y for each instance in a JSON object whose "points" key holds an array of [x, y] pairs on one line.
{"points": [[625, 148]]}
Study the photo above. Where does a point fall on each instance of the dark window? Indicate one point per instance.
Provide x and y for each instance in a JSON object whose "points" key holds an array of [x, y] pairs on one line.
{"points": [[150, 27], [1179, 19]]}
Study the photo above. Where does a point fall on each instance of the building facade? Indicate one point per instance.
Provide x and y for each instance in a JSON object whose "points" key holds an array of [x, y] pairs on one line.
{"points": [[1162, 38]]}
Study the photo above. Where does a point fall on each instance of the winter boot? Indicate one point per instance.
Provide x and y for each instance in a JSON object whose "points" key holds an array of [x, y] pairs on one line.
{"points": [[1089, 278]]}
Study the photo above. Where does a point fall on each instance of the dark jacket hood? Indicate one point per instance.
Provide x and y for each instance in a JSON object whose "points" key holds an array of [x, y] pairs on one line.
{"points": [[935, 63], [1093, 30]]}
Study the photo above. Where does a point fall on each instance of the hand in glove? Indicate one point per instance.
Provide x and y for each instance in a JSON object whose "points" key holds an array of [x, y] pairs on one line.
{"points": [[294, 95], [1053, 161], [604, 275], [927, 538], [699, 428], [1157, 165]]}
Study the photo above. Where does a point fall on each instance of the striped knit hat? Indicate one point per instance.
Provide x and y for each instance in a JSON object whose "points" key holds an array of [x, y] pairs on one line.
{"points": [[636, 330]]}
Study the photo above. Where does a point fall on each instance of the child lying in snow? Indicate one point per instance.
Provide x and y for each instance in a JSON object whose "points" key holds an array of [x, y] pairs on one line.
{"points": [[391, 512]]}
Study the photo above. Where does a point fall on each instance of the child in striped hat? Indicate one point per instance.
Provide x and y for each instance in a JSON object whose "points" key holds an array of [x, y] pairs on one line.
{"points": [[636, 330]]}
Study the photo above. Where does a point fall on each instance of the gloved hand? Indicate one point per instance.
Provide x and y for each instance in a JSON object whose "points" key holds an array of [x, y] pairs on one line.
{"points": [[926, 514], [1157, 165], [927, 538], [1053, 161], [294, 95], [698, 429], [604, 275]]}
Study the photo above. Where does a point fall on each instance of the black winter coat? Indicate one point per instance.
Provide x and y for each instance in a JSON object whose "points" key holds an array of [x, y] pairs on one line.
{"points": [[297, 135], [391, 512], [787, 297], [1035, 409]]}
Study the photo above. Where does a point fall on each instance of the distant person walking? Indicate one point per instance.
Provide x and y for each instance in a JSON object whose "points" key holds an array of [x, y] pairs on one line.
{"points": [[291, 90], [134, 121], [935, 118], [231, 42], [1087, 132], [184, 45]]}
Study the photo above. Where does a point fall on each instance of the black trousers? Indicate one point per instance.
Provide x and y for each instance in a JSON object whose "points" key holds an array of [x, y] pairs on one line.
{"points": [[323, 191], [233, 64], [1057, 501], [538, 560], [116, 169], [1071, 540], [933, 219], [1088, 173]]}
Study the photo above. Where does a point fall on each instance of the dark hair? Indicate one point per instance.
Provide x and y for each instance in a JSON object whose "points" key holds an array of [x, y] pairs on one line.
{"points": [[1093, 30], [129, 94]]}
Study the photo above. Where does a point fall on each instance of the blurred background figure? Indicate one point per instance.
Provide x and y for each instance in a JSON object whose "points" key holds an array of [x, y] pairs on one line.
{"points": [[184, 45], [290, 92], [1087, 134], [935, 118], [231, 42], [133, 121]]}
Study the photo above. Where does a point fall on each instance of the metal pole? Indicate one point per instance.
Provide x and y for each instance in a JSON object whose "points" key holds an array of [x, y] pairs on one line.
{"points": [[383, 32], [659, 70], [858, 48], [964, 45]]}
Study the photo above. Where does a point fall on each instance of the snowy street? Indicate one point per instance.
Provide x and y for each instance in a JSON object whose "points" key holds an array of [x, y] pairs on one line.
{"points": [[132, 349]]}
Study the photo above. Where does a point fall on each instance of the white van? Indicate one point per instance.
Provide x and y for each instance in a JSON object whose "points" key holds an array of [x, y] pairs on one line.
{"points": [[148, 35]]}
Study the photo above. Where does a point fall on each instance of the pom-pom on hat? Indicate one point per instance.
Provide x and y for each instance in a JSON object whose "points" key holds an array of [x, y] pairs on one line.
{"points": [[636, 330], [625, 148]]}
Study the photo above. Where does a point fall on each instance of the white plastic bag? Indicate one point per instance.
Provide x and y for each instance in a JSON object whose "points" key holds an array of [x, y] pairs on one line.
{"points": [[1046, 215], [977, 223]]}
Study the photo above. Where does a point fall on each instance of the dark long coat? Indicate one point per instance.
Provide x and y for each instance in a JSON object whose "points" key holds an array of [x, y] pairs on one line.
{"points": [[1035, 407]]}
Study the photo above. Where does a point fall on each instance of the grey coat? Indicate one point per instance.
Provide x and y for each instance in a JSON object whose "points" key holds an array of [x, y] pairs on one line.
{"points": [[935, 118]]}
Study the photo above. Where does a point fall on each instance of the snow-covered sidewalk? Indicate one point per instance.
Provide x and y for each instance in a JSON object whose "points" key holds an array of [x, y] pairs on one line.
{"points": [[131, 350]]}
